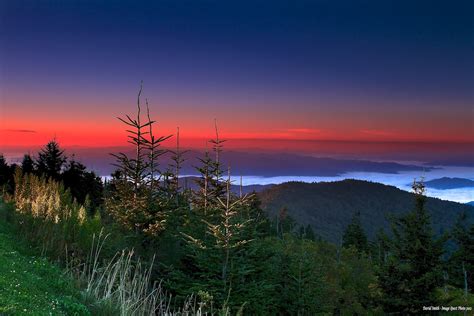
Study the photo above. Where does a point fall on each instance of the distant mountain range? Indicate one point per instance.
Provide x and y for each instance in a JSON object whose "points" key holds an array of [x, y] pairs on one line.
{"points": [[259, 164], [329, 206], [470, 203], [446, 183], [190, 183]]}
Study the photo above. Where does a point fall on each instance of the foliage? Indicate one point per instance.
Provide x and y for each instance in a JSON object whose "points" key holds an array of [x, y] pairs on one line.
{"points": [[6, 176], [27, 164], [47, 214], [85, 186], [354, 235], [329, 206], [295, 276], [412, 270], [461, 263], [30, 284], [51, 159], [216, 252], [134, 202], [122, 285], [211, 185]]}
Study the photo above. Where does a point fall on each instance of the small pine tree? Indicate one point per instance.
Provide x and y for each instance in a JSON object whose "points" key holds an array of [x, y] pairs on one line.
{"points": [[6, 176], [201, 197], [379, 248], [217, 254], [82, 184], [309, 233], [135, 201], [211, 185], [285, 224], [152, 144], [354, 235], [27, 164], [177, 159], [51, 159], [4, 170]]}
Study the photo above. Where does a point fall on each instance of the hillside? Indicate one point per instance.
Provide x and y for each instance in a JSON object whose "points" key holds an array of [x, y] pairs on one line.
{"points": [[446, 183], [30, 284], [329, 206]]}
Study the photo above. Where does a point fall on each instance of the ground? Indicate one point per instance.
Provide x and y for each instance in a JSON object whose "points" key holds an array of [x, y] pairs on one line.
{"points": [[31, 285]]}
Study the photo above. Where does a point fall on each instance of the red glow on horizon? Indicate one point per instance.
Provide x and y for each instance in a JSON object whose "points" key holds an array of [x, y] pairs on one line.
{"points": [[77, 125], [110, 136]]}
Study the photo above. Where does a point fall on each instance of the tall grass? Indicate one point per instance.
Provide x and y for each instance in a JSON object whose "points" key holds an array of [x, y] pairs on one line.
{"points": [[47, 216], [123, 285]]}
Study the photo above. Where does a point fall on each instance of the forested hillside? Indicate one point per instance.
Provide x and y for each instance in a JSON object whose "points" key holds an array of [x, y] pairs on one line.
{"points": [[329, 206]]}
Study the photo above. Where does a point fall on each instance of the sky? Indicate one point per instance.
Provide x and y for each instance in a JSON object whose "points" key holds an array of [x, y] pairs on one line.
{"points": [[356, 71]]}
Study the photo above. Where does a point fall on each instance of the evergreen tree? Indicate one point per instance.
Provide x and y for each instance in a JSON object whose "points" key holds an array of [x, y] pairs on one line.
{"points": [[51, 160], [4, 170], [152, 144], [177, 159], [217, 182], [379, 248], [6, 176], [136, 201], [309, 233], [201, 197], [461, 263], [27, 164], [411, 272], [211, 185], [354, 235], [83, 185], [218, 255], [284, 223]]}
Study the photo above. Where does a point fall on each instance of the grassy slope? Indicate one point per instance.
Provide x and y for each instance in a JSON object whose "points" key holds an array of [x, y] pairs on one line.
{"points": [[31, 285]]}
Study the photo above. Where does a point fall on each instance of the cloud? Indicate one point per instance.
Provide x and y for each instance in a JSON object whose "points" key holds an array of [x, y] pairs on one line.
{"points": [[303, 130], [18, 131], [376, 132]]}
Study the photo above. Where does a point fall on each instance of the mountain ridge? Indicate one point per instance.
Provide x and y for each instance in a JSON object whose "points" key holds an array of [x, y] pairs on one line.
{"points": [[446, 183], [329, 206]]}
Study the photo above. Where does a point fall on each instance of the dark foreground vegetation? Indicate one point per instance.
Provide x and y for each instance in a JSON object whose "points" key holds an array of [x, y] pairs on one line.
{"points": [[140, 244]]}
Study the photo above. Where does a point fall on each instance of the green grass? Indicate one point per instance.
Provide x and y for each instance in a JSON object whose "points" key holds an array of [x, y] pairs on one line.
{"points": [[30, 285]]}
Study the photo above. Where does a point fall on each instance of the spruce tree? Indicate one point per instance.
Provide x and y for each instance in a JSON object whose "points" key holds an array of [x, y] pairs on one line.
{"points": [[354, 235], [51, 159], [4, 170], [411, 272], [27, 164], [83, 185], [177, 159], [217, 254], [461, 263], [6, 176], [309, 233], [285, 224], [211, 185], [135, 201], [201, 197]]}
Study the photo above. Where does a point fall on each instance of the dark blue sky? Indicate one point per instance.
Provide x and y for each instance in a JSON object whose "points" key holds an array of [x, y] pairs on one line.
{"points": [[390, 60]]}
